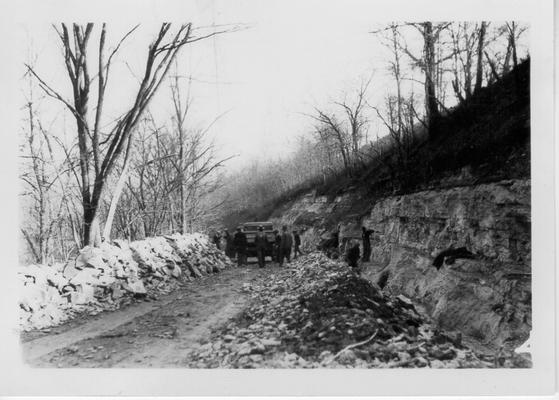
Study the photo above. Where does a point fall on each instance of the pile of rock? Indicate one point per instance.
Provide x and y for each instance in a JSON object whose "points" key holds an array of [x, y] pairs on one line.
{"points": [[108, 277], [318, 314]]}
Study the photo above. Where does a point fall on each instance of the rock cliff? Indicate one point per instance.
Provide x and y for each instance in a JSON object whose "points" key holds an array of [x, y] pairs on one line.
{"points": [[488, 296]]}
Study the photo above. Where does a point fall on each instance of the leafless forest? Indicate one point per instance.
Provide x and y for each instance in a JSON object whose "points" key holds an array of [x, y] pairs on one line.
{"points": [[138, 176], [253, 193]]}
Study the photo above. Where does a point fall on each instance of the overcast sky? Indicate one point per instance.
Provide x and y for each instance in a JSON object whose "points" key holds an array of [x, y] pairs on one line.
{"points": [[264, 77]]}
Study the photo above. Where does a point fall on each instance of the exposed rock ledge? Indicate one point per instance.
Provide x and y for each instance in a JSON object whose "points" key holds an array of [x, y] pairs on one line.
{"points": [[487, 297]]}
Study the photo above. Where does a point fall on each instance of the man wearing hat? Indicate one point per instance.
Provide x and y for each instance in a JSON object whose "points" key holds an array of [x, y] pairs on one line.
{"points": [[276, 246], [261, 243], [285, 246], [228, 243], [240, 244]]}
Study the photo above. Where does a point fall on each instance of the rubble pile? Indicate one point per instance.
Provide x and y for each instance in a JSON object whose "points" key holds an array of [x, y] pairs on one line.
{"points": [[317, 314], [111, 276]]}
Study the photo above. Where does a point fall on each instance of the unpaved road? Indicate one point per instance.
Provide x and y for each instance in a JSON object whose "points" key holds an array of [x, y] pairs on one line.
{"points": [[159, 333]]}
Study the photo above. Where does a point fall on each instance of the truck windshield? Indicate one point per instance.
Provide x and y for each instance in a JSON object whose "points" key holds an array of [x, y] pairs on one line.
{"points": [[251, 228]]}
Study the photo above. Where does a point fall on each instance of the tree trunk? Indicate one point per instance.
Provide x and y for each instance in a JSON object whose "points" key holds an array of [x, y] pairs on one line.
{"points": [[114, 201], [431, 106], [480, 47], [512, 29], [117, 193], [92, 230], [183, 219]]}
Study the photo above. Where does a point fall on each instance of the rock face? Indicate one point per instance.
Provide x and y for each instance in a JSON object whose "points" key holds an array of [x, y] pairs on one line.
{"points": [[491, 220], [488, 296]]}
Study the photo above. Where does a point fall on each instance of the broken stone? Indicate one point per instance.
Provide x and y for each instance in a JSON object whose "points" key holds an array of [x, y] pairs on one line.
{"points": [[228, 338], [270, 342]]}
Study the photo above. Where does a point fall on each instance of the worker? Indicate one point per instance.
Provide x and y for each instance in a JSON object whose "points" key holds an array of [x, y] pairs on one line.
{"points": [[261, 243], [352, 255], [366, 236], [296, 243], [216, 239], [240, 244], [229, 249], [336, 237], [276, 246], [285, 246]]}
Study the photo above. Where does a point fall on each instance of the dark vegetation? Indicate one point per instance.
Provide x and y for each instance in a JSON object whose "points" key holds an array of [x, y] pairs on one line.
{"points": [[485, 139]]}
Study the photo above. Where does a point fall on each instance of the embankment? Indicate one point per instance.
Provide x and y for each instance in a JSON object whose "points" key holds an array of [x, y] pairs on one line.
{"points": [[486, 297], [465, 185]]}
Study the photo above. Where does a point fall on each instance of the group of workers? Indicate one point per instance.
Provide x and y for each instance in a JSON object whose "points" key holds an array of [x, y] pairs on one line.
{"points": [[353, 249], [351, 246], [286, 243], [281, 246]]}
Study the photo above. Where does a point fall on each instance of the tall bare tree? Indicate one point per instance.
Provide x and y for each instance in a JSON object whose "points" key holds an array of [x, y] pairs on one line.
{"points": [[46, 177], [346, 130], [480, 49], [181, 106], [101, 150], [429, 63]]}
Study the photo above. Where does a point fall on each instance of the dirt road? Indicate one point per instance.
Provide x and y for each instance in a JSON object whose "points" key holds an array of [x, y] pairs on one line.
{"points": [[158, 333]]}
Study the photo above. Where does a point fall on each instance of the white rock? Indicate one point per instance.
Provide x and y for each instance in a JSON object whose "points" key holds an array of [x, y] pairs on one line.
{"points": [[525, 347]]}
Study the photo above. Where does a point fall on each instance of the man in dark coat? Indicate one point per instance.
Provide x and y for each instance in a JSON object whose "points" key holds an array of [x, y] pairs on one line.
{"points": [[285, 246], [216, 239], [276, 247], [366, 236], [228, 243], [297, 244], [240, 244], [261, 243], [336, 238], [352, 256]]}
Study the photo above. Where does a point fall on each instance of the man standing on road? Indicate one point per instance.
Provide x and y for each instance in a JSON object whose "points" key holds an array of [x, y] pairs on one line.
{"points": [[228, 243], [352, 255], [366, 236], [216, 239], [336, 238], [285, 245], [297, 244], [261, 243], [276, 246], [240, 243]]}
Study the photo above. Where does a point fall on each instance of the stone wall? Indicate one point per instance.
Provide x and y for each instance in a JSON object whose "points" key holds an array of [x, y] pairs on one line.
{"points": [[108, 277]]}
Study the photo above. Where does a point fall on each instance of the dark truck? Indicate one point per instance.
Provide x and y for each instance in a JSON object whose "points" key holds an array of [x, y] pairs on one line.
{"points": [[250, 229]]}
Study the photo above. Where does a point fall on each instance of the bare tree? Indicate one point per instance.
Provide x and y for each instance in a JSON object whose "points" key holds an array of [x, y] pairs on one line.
{"points": [[330, 130], [171, 174], [181, 107], [429, 62], [43, 173], [480, 49], [468, 42], [100, 151], [347, 131], [501, 57], [430, 34]]}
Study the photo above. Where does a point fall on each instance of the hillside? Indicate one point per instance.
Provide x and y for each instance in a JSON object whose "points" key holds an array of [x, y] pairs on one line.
{"points": [[467, 187], [485, 139]]}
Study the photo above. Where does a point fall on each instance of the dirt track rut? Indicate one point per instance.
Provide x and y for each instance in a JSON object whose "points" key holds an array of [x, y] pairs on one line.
{"points": [[149, 334]]}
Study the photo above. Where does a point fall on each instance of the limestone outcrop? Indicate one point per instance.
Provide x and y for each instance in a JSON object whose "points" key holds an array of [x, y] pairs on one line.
{"points": [[487, 296]]}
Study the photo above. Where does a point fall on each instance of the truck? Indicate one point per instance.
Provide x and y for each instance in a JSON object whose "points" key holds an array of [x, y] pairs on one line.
{"points": [[250, 229]]}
